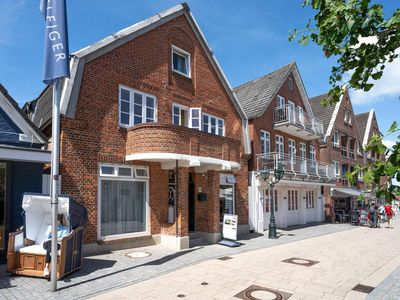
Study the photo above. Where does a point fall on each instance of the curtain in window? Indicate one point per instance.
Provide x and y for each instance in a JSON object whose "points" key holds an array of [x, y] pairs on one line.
{"points": [[123, 207]]}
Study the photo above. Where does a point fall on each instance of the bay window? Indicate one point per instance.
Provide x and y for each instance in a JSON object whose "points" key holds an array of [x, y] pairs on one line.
{"points": [[136, 107]]}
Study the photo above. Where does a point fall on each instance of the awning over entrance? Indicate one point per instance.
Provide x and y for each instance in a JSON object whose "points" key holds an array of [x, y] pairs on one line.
{"points": [[200, 163], [24, 154], [344, 192]]}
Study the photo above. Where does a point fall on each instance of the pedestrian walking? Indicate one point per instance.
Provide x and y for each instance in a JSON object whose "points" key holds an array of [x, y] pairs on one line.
{"points": [[372, 216], [389, 214]]}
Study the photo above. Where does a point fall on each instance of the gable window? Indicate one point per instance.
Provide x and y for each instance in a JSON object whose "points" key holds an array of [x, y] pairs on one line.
{"points": [[335, 141], [136, 107], [345, 115], [280, 101], [290, 83], [265, 142], [180, 61]]}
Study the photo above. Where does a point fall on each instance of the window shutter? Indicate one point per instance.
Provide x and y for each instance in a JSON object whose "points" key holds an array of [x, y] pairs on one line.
{"points": [[195, 118]]}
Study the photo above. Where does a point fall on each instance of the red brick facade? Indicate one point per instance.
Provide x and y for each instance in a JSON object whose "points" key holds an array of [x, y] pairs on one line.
{"points": [[94, 135]]}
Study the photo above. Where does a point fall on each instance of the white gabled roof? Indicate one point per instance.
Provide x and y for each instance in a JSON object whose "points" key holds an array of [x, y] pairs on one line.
{"points": [[71, 87]]}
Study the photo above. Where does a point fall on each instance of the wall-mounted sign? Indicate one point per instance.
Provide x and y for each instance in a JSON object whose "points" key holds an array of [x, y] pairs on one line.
{"points": [[229, 227]]}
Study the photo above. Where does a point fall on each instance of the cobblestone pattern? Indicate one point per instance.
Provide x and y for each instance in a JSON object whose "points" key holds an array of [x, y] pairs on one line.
{"points": [[114, 270], [388, 289]]}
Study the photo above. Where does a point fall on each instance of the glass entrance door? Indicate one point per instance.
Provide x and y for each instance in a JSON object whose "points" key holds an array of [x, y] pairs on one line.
{"points": [[226, 200], [2, 204]]}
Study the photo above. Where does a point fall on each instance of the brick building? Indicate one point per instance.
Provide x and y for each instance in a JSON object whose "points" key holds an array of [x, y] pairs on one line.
{"points": [[285, 133], [345, 136], [153, 141]]}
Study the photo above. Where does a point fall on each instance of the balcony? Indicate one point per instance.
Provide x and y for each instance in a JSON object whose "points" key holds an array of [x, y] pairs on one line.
{"points": [[167, 143], [297, 168], [296, 122]]}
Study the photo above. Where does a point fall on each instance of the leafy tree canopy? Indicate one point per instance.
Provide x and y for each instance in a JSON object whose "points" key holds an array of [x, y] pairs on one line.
{"points": [[359, 35]]}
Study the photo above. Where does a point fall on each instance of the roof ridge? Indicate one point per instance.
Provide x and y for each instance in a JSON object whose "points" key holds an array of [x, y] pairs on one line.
{"points": [[265, 75]]}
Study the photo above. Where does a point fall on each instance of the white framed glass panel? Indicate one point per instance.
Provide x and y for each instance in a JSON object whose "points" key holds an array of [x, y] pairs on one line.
{"points": [[291, 107], [265, 142], [122, 207], [195, 118], [279, 145], [108, 171], [150, 109], [180, 61], [125, 172], [141, 172], [280, 101], [206, 125], [312, 153], [220, 127], [301, 115], [213, 123], [336, 138], [292, 150], [180, 115], [124, 107], [137, 108]]}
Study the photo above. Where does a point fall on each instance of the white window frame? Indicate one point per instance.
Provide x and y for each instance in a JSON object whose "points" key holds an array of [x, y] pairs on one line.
{"points": [[121, 178], [136, 168], [181, 107], [345, 115], [349, 117], [337, 170], [303, 150], [292, 149], [313, 153], [200, 118], [358, 148], [335, 143], [209, 117], [187, 56], [264, 137], [132, 106], [280, 101], [301, 115], [280, 145]]}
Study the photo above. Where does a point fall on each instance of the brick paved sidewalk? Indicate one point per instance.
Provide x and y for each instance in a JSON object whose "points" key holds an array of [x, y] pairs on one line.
{"points": [[115, 270], [389, 289], [339, 262]]}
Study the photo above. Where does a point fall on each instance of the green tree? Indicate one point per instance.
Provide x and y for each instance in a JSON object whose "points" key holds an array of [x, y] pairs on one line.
{"points": [[363, 40]]}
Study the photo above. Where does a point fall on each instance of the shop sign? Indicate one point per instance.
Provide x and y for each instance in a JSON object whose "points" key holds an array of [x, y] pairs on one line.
{"points": [[229, 227]]}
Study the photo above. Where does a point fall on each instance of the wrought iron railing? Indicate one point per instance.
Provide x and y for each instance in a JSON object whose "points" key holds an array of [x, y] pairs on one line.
{"points": [[296, 116], [295, 166]]}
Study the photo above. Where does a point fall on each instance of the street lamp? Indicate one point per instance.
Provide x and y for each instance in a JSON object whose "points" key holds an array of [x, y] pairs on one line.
{"points": [[278, 174]]}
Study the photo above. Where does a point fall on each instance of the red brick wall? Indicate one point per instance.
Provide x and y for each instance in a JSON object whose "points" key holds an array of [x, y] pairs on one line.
{"points": [[265, 122], [94, 136]]}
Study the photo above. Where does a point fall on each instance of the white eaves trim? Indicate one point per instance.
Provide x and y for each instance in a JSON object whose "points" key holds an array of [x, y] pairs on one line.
{"points": [[369, 125], [24, 154]]}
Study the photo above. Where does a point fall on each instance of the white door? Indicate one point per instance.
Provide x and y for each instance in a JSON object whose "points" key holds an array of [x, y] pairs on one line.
{"points": [[267, 208], [293, 207]]}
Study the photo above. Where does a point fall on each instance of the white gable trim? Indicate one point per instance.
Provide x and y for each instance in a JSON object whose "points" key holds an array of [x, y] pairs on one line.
{"points": [[334, 116], [369, 125], [29, 134]]}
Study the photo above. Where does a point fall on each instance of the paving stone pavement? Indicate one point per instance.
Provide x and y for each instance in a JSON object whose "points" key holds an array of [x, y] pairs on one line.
{"points": [[345, 259], [388, 289], [114, 270]]}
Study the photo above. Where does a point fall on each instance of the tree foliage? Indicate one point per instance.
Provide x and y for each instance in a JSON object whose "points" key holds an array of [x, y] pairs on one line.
{"points": [[378, 174], [363, 40], [359, 35]]}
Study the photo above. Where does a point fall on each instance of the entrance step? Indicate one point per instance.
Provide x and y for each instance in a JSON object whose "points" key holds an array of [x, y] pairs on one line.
{"points": [[197, 239]]}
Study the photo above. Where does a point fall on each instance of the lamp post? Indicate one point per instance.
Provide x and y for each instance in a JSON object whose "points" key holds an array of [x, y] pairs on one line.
{"points": [[278, 174]]}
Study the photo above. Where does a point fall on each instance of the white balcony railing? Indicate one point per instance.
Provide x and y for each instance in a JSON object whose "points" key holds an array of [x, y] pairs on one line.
{"points": [[295, 166], [296, 116]]}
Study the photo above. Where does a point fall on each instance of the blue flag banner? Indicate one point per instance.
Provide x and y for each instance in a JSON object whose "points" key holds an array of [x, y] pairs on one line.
{"points": [[56, 50]]}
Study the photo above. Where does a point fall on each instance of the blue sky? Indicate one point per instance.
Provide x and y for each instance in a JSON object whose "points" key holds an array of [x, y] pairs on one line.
{"points": [[249, 39]]}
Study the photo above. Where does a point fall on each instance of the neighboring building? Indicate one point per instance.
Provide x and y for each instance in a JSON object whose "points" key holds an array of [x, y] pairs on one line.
{"points": [[21, 164], [142, 106], [342, 147], [284, 131]]}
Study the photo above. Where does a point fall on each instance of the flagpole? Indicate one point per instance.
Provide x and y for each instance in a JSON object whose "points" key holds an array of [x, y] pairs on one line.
{"points": [[55, 145]]}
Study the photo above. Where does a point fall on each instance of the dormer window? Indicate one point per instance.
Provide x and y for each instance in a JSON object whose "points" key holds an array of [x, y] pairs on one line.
{"points": [[180, 61]]}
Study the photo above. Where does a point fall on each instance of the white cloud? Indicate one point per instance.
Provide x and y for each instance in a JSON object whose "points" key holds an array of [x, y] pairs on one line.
{"points": [[10, 11], [389, 143], [386, 87]]}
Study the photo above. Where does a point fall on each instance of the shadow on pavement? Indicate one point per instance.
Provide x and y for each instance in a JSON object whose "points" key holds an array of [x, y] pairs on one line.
{"points": [[88, 269]]}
